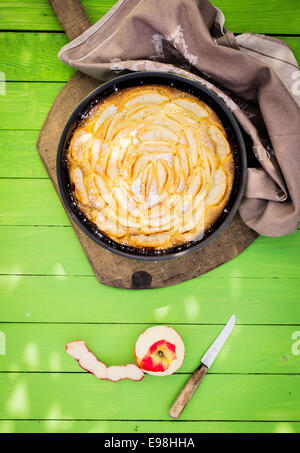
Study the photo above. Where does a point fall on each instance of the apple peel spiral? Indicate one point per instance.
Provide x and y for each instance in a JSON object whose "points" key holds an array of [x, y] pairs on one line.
{"points": [[89, 362]]}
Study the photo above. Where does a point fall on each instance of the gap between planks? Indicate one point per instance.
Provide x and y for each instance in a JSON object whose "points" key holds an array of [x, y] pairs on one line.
{"points": [[93, 276], [141, 420], [175, 374], [146, 324]]}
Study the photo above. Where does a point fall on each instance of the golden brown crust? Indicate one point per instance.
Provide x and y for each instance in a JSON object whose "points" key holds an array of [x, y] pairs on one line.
{"points": [[151, 166]]}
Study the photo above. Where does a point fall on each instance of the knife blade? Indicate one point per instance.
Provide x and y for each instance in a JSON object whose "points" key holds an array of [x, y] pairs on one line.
{"points": [[213, 351], [206, 362]]}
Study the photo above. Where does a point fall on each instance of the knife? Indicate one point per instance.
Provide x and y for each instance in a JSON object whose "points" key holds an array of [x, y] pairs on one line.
{"points": [[206, 362]]}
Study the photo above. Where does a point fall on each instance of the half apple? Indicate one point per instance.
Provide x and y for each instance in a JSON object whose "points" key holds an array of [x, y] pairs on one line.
{"points": [[159, 351]]}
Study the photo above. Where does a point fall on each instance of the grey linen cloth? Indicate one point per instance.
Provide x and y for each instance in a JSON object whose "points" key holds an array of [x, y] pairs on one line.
{"points": [[257, 76]]}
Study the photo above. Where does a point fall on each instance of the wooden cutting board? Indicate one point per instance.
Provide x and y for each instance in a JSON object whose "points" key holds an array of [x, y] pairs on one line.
{"points": [[111, 269]]}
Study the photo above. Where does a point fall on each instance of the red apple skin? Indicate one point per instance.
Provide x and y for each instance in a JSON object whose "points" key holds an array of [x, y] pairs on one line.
{"points": [[139, 360], [150, 362], [147, 364]]}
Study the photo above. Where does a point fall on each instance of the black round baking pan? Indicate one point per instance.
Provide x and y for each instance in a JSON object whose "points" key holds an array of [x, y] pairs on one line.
{"points": [[234, 136]]}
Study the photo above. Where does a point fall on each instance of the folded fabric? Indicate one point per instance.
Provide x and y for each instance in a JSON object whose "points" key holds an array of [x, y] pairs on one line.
{"points": [[257, 76]]}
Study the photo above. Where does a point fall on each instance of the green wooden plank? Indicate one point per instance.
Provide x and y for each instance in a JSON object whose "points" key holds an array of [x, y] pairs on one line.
{"points": [[202, 300], [56, 251], [19, 156], [255, 16], [82, 396], [294, 43], [250, 349], [108, 426], [28, 15], [33, 56], [26, 105], [270, 16], [20, 205], [47, 250]]}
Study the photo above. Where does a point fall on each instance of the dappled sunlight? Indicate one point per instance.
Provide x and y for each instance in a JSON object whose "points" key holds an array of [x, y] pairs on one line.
{"points": [[56, 426], [54, 362], [6, 427], [234, 269], [18, 404], [58, 270], [31, 355], [53, 422], [283, 427], [2, 343], [100, 427], [161, 313], [235, 288], [192, 308], [54, 412], [13, 280], [13, 366]]}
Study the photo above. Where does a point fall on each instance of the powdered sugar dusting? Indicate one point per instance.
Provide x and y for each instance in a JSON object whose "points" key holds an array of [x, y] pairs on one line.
{"points": [[157, 41], [136, 186], [153, 197], [168, 158], [181, 185]]}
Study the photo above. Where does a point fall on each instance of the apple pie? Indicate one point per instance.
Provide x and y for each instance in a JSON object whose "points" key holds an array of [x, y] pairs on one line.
{"points": [[151, 166]]}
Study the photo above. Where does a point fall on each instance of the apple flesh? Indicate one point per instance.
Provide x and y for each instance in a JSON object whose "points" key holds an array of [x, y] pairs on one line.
{"points": [[159, 351], [89, 362]]}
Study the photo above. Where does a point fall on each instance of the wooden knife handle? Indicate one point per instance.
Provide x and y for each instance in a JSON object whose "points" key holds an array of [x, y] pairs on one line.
{"points": [[187, 392], [72, 16]]}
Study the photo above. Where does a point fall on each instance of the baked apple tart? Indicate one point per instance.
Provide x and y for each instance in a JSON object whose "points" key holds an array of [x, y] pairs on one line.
{"points": [[151, 166]]}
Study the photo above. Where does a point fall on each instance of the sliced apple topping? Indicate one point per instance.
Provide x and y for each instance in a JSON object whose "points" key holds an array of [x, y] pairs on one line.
{"points": [[149, 165], [149, 97], [109, 111], [220, 141], [79, 140], [157, 133], [194, 107], [218, 187], [80, 189], [139, 111], [109, 226], [150, 240]]}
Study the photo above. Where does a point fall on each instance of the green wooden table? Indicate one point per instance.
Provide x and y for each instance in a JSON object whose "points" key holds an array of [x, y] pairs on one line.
{"points": [[50, 296]]}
